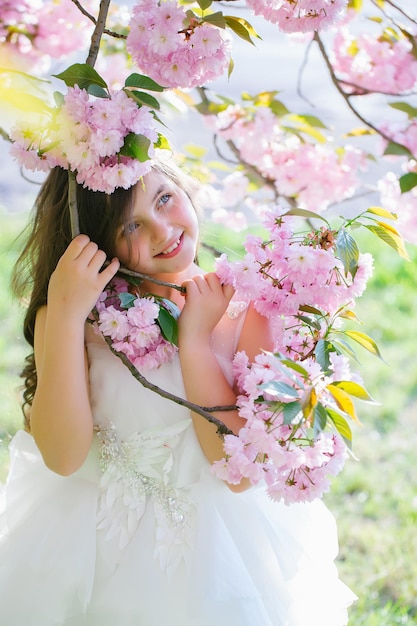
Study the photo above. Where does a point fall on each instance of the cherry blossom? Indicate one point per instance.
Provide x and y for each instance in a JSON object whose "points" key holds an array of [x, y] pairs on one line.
{"points": [[86, 136], [174, 50]]}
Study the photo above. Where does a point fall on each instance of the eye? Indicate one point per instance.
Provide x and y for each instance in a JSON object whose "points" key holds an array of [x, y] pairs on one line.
{"points": [[163, 199], [130, 228]]}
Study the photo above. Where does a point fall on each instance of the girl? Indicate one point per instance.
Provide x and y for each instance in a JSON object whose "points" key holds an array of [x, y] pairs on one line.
{"points": [[112, 513]]}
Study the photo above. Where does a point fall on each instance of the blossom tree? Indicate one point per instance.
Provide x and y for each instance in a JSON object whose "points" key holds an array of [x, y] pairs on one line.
{"points": [[281, 167]]}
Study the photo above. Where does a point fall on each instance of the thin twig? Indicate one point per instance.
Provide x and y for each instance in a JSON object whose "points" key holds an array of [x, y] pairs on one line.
{"points": [[397, 8], [156, 281], [301, 72], [205, 412], [344, 95], [106, 31], [72, 204]]}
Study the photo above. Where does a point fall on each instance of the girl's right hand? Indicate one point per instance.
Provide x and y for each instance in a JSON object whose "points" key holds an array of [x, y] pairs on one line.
{"points": [[77, 281]]}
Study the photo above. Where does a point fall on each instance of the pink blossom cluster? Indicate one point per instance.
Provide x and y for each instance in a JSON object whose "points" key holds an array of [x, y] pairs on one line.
{"points": [[375, 63], [134, 330], [35, 30], [174, 50], [85, 135], [299, 16], [290, 272], [292, 458], [316, 175]]}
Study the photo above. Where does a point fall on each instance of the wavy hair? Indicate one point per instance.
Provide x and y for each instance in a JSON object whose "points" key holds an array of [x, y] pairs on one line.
{"points": [[48, 234]]}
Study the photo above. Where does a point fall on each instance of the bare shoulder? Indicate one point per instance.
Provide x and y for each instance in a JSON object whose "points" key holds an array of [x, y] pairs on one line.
{"points": [[256, 334]]}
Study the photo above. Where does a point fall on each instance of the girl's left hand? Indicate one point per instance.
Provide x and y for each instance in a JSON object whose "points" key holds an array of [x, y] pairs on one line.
{"points": [[206, 301]]}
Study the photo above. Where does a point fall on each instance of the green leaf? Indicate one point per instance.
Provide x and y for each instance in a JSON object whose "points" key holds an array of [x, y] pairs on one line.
{"points": [[290, 411], [320, 418], [278, 108], [143, 82], [217, 19], [347, 251], [240, 27], [408, 181], [322, 353], [141, 97], [307, 308], [404, 107], [81, 74], [393, 239], [364, 340], [341, 426], [168, 325], [126, 299], [312, 120], [309, 321], [340, 346], [204, 4], [396, 149], [97, 91], [294, 366], [171, 307], [354, 389], [277, 387], [162, 142], [305, 213], [136, 146]]}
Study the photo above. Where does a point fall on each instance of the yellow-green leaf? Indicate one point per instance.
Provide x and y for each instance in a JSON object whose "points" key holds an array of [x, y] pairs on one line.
{"points": [[392, 239], [309, 403], [241, 27], [343, 401], [364, 340], [381, 212], [341, 425], [354, 389], [307, 214], [350, 315]]}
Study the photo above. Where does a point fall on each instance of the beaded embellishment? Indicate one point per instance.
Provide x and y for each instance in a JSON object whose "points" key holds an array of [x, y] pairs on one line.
{"points": [[235, 308], [136, 472]]}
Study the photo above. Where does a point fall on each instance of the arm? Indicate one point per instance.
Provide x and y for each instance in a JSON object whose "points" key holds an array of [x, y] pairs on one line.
{"points": [[205, 383], [61, 419]]}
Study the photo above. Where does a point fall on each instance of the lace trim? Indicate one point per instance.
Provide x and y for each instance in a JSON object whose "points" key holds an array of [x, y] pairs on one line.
{"points": [[137, 471]]}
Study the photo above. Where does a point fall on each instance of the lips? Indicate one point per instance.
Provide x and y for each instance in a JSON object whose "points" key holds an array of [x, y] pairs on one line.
{"points": [[173, 249]]}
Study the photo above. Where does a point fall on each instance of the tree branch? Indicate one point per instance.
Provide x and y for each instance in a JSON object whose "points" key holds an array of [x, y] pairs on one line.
{"points": [[98, 32], [205, 412], [344, 95]]}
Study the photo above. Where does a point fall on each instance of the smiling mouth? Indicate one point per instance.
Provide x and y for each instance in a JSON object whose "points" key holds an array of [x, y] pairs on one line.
{"points": [[172, 249]]}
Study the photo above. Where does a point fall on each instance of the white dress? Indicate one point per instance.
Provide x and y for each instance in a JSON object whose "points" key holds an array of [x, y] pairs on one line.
{"points": [[144, 534]]}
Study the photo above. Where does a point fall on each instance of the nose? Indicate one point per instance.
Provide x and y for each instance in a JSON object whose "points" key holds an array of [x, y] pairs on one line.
{"points": [[160, 229]]}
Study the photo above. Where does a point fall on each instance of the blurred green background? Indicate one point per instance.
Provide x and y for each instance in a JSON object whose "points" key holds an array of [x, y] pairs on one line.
{"points": [[375, 497]]}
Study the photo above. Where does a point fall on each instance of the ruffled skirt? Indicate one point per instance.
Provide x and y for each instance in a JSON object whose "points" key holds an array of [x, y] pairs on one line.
{"points": [[246, 561]]}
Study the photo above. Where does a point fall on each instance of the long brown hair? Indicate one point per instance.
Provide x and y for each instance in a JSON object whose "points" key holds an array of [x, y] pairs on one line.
{"points": [[49, 233]]}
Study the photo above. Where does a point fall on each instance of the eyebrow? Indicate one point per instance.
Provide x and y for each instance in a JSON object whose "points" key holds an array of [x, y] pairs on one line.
{"points": [[160, 189]]}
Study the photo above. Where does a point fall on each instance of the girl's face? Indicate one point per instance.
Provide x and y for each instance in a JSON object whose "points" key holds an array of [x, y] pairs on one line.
{"points": [[162, 235]]}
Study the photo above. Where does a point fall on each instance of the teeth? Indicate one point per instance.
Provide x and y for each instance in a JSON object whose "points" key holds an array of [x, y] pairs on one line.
{"points": [[171, 248]]}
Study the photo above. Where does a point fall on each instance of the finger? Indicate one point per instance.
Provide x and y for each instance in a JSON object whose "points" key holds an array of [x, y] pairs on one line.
{"points": [[109, 271], [213, 281], [189, 286], [77, 246], [228, 291], [97, 260]]}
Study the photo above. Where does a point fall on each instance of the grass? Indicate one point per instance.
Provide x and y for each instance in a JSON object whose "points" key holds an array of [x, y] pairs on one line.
{"points": [[375, 497]]}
